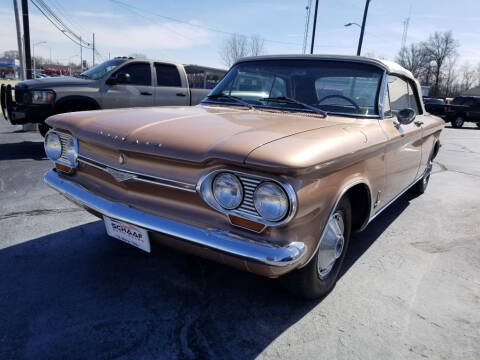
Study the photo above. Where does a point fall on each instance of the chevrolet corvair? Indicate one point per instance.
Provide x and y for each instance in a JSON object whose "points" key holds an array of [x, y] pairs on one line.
{"points": [[271, 173]]}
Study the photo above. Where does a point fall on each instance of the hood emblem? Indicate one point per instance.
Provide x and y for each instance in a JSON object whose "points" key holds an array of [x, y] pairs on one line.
{"points": [[120, 176], [121, 159]]}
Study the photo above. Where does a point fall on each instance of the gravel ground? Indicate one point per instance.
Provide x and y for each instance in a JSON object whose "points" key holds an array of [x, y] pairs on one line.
{"points": [[410, 288]]}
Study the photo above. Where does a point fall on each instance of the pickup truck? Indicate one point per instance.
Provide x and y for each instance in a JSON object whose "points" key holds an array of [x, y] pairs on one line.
{"points": [[117, 83], [462, 109]]}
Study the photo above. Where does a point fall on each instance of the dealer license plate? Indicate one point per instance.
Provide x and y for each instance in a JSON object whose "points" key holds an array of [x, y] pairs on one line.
{"points": [[131, 234]]}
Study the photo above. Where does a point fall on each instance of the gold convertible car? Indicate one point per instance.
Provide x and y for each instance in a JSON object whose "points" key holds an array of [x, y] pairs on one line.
{"points": [[271, 173]]}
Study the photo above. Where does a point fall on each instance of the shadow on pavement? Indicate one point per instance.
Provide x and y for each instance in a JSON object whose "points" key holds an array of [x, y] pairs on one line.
{"points": [[78, 294], [360, 242], [22, 150]]}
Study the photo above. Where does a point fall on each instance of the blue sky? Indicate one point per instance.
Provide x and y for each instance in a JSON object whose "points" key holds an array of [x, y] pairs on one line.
{"points": [[123, 31]]}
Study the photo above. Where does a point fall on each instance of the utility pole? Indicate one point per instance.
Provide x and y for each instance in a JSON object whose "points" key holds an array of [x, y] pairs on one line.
{"points": [[26, 39], [308, 8], [93, 50], [19, 40], [314, 26], [360, 41], [81, 58]]}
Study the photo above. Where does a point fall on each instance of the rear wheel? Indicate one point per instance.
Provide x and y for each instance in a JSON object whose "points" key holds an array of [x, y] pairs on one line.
{"points": [[319, 276], [420, 187], [458, 121]]}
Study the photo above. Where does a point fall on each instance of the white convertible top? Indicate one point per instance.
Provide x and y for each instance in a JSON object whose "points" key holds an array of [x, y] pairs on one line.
{"points": [[390, 66]]}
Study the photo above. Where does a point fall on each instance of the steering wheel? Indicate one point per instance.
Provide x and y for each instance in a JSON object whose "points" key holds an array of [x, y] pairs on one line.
{"points": [[351, 101]]}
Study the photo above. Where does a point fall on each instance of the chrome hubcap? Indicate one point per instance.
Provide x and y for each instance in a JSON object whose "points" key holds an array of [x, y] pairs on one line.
{"points": [[331, 245]]}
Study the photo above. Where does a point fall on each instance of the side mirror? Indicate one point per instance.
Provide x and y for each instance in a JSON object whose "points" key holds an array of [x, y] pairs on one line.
{"points": [[119, 78], [406, 116]]}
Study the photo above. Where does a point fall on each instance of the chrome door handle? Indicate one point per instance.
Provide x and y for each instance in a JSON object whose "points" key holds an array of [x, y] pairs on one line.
{"points": [[396, 124], [181, 94], [146, 93], [418, 123]]}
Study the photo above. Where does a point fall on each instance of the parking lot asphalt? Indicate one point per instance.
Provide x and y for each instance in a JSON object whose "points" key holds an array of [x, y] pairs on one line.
{"points": [[410, 288]]}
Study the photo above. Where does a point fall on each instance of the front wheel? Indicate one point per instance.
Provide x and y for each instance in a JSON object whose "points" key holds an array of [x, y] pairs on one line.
{"points": [[478, 125], [319, 276]]}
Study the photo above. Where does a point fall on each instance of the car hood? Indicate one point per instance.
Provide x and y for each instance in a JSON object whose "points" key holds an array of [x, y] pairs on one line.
{"points": [[196, 134], [53, 82]]}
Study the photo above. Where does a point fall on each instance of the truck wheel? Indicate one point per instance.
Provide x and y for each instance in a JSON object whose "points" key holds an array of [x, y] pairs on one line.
{"points": [[319, 276], [43, 129], [458, 122], [478, 125]]}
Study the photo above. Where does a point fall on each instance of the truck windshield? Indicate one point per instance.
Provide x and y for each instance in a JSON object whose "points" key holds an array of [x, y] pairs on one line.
{"points": [[340, 87], [97, 72]]}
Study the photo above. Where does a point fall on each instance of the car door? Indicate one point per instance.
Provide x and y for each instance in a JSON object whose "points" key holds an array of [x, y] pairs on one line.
{"points": [[129, 86], [403, 150], [474, 113], [171, 88]]}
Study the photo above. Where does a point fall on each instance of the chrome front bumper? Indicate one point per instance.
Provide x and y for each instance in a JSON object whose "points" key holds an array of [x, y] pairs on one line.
{"points": [[217, 240]]}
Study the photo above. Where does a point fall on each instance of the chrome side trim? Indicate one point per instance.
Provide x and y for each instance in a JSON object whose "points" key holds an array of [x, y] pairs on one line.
{"points": [[136, 176], [204, 189], [344, 191], [216, 240]]}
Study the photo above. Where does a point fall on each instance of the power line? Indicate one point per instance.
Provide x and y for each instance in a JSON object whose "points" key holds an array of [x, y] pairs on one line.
{"points": [[194, 25]]}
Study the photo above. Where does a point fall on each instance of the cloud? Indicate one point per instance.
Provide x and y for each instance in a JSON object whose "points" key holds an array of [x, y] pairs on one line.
{"points": [[152, 37]]}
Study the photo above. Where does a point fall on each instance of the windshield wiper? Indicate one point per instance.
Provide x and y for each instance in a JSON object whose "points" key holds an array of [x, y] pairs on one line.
{"points": [[234, 98], [288, 100]]}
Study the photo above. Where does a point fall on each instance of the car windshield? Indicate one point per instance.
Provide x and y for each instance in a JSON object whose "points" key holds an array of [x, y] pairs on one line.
{"points": [[303, 85], [97, 72]]}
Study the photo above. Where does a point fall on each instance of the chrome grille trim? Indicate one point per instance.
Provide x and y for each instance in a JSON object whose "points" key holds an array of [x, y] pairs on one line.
{"points": [[137, 176], [64, 140], [247, 208]]}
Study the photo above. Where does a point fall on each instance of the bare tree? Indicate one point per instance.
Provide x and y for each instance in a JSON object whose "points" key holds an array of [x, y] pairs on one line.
{"points": [[238, 46], [450, 76], [11, 54], [412, 58], [256, 45], [439, 48], [468, 77]]}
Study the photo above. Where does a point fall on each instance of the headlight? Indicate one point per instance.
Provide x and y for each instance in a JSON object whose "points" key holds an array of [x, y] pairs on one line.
{"points": [[227, 190], [270, 201], [53, 146], [70, 151], [42, 97]]}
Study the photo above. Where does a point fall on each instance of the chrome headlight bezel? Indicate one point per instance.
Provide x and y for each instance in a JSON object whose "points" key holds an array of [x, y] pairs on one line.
{"points": [[53, 146], [225, 200], [204, 189], [277, 194], [69, 148]]}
